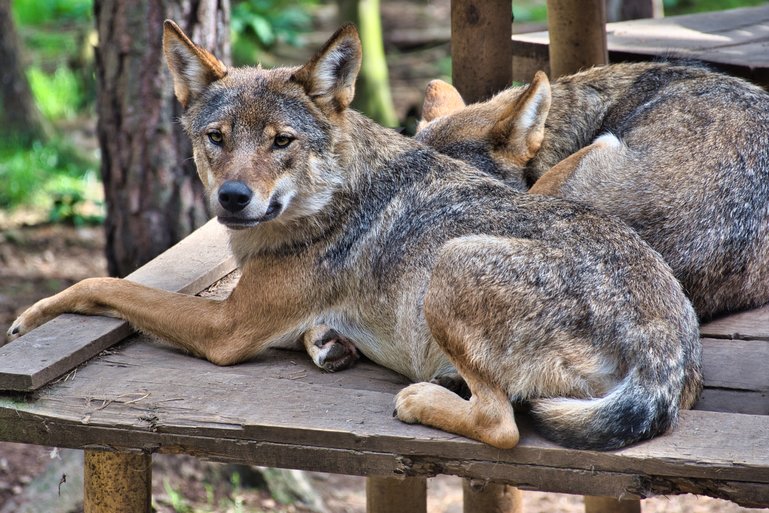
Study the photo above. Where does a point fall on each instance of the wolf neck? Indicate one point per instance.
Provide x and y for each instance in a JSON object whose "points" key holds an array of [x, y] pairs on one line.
{"points": [[361, 156]]}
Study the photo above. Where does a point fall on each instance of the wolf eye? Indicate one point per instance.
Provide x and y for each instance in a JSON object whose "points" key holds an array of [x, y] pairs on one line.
{"points": [[282, 140], [216, 137]]}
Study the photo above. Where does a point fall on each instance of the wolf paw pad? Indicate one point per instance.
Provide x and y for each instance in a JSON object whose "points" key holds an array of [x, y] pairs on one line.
{"points": [[333, 352]]}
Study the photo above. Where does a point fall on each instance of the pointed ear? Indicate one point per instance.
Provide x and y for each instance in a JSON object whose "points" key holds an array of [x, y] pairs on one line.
{"points": [[441, 99], [192, 67], [520, 128], [329, 77]]}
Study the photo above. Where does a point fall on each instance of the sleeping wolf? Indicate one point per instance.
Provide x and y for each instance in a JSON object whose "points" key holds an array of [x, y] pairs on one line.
{"points": [[429, 266], [677, 151]]}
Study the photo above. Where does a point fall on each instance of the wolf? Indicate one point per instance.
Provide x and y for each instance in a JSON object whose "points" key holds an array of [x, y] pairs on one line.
{"points": [[676, 150], [427, 265]]}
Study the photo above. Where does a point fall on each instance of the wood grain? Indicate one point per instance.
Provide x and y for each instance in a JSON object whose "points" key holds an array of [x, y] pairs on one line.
{"points": [[733, 40], [59, 346], [279, 410]]}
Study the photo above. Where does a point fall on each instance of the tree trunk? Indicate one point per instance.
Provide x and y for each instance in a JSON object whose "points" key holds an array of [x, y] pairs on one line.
{"points": [[18, 113], [153, 195]]}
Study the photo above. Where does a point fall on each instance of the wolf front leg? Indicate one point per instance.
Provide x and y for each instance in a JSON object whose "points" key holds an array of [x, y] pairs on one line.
{"points": [[605, 149], [253, 317]]}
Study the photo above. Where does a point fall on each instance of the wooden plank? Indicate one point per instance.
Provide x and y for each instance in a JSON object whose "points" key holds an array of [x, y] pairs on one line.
{"points": [[59, 346], [480, 53], [396, 495], [117, 482], [147, 397], [484, 497], [595, 504], [735, 376], [735, 41], [578, 35], [753, 324]]}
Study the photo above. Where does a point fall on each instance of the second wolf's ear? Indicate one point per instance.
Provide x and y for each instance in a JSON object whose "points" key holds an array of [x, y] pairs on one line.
{"points": [[520, 127], [329, 77], [441, 99], [192, 67]]}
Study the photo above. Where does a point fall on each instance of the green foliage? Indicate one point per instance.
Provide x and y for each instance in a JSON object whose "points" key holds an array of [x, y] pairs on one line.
{"points": [[530, 11], [52, 176], [58, 95], [257, 25], [40, 12]]}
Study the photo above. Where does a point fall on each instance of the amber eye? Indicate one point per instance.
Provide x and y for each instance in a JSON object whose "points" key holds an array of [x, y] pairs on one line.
{"points": [[282, 140], [216, 137]]}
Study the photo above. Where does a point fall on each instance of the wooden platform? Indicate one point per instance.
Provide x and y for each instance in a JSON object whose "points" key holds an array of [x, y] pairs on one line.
{"points": [[736, 41], [279, 410]]}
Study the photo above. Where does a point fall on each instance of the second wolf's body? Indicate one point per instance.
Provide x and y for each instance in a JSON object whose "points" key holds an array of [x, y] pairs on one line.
{"points": [[681, 154]]}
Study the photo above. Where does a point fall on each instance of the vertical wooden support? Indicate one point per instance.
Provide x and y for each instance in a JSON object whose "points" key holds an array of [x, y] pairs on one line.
{"points": [[481, 48], [117, 482], [480, 497], [611, 505], [577, 35], [395, 495]]}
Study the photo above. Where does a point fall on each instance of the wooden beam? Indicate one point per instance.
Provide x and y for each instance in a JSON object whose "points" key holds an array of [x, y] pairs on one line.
{"points": [[577, 35], [481, 52], [396, 495], [484, 497], [117, 482], [611, 505]]}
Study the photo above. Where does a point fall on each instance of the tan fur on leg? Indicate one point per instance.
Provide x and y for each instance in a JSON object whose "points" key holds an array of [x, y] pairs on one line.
{"points": [[487, 416], [551, 182]]}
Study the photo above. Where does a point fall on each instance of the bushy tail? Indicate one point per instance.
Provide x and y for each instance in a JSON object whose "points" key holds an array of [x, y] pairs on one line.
{"points": [[631, 412]]}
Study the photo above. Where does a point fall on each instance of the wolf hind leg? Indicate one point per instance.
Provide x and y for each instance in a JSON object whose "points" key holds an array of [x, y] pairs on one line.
{"points": [[487, 416], [605, 148]]}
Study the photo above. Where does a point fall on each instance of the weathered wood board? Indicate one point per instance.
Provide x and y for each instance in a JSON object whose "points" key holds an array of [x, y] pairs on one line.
{"points": [[736, 40], [59, 346], [279, 410]]}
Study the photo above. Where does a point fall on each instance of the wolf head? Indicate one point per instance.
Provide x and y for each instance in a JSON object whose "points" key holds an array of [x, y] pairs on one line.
{"points": [[499, 136], [264, 140]]}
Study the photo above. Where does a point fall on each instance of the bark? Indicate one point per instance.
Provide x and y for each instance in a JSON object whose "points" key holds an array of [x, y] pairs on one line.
{"points": [[153, 195], [18, 113]]}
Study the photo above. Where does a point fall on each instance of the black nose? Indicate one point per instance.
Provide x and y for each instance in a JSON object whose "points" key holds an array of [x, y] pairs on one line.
{"points": [[234, 196]]}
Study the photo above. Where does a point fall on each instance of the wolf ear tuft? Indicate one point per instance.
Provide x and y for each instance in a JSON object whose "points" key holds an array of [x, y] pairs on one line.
{"points": [[521, 126], [441, 99], [329, 77], [192, 67]]}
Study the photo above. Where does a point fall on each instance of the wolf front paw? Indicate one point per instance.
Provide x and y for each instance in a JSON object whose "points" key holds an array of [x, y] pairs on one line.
{"points": [[329, 350], [30, 319]]}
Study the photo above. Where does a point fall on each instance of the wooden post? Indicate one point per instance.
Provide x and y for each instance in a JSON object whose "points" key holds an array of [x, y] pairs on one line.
{"points": [[611, 505], [396, 495], [480, 497], [117, 482], [481, 47], [577, 35]]}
